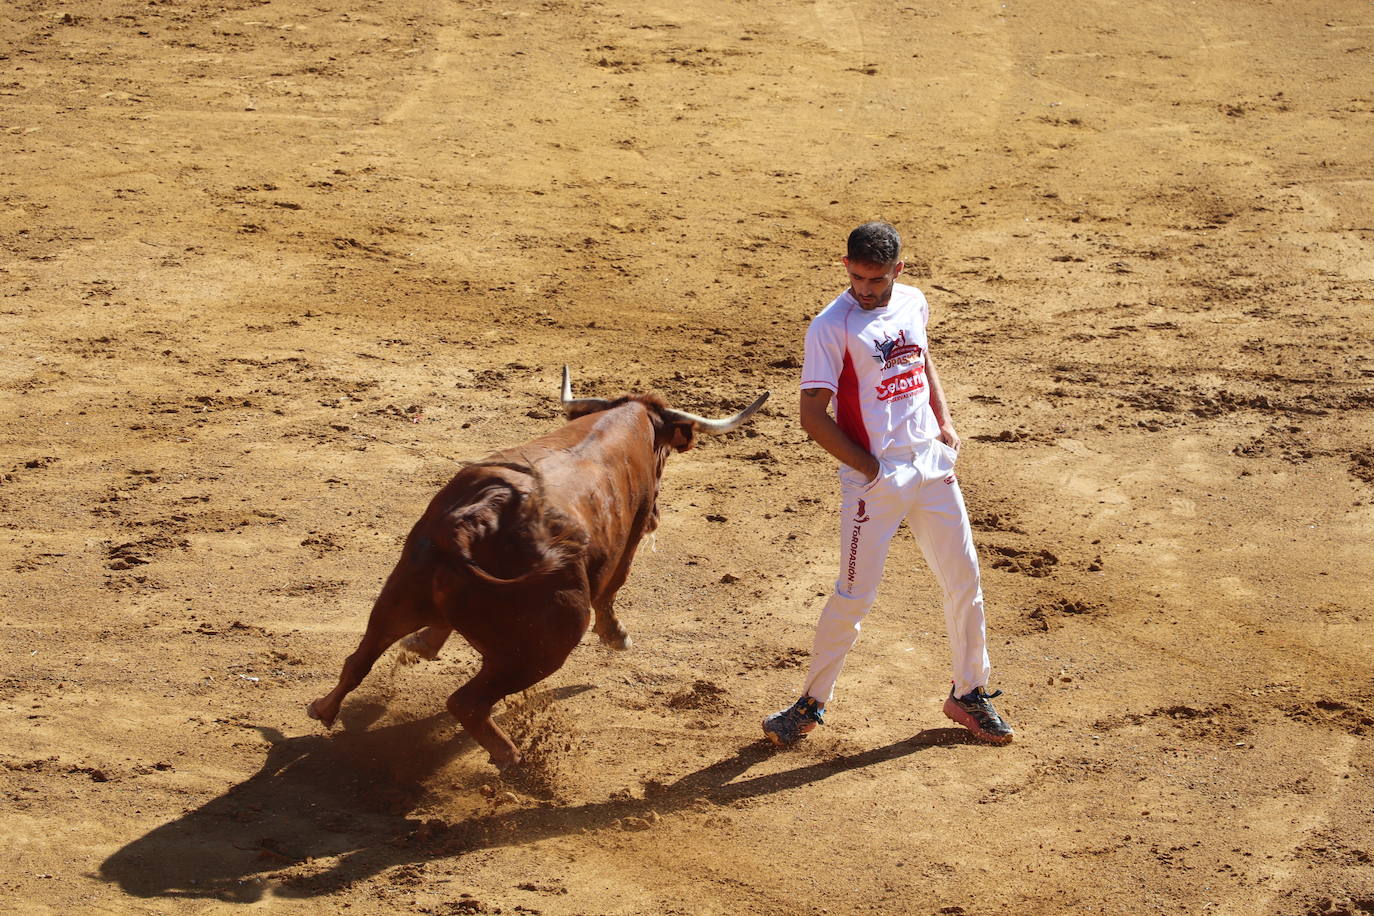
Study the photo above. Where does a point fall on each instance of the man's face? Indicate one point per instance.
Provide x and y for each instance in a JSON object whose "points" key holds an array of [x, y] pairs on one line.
{"points": [[871, 284]]}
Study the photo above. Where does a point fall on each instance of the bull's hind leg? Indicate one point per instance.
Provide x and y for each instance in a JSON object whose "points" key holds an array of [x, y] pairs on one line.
{"points": [[472, 703], [401, 609], [513, 661]]}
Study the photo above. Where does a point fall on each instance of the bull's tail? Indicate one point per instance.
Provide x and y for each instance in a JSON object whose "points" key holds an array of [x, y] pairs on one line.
{"points": [[506, 536]]}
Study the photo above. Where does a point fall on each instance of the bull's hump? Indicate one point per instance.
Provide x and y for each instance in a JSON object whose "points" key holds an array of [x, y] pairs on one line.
{"points": [[622, 426]]}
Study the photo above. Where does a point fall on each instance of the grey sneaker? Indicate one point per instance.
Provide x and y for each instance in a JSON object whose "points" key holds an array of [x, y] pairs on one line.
{"points": [[790, 725], [974, 711]]}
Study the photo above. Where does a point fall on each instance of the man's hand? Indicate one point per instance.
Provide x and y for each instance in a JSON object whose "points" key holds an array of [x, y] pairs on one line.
{"points": [[949, 437], [872, 474], [821, 427]]}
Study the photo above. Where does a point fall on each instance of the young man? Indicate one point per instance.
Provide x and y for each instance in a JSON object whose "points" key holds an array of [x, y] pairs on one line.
{"points": [[892, 434]]}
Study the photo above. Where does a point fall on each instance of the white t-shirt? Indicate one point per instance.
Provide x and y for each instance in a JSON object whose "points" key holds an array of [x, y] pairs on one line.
{"points": [[875, 363]]}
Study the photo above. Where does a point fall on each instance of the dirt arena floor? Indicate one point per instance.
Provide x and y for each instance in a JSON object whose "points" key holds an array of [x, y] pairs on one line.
{"points": [[271, 269]]}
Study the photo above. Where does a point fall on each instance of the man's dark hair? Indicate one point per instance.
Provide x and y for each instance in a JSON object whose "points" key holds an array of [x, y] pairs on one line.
{"points": [[875, 242]]}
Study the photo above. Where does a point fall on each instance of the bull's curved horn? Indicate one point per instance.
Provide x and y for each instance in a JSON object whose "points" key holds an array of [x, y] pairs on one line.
{"points": [[717, 427], [571, 404]]}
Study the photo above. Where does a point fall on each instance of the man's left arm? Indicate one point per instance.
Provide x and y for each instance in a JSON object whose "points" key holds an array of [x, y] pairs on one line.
{"points": [[940, 406]]}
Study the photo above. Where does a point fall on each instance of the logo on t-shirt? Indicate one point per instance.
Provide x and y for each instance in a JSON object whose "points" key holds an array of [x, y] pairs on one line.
{"points": [[896, 352], [899, 386]]}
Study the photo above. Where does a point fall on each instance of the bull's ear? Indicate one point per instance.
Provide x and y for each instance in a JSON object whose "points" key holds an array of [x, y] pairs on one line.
{"points": [[682, 436]]}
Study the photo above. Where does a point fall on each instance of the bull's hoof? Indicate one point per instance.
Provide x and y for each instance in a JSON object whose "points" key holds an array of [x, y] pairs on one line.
{"points": [[505, 761], [313, 711], [619, 643]]}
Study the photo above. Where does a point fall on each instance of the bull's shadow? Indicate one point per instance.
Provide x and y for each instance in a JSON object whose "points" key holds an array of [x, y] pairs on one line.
{"points": [[344, 799], [315, 796]]}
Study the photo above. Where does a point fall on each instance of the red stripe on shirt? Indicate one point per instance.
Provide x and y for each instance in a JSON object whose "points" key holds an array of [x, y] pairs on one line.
{"points": [[847, 413]]}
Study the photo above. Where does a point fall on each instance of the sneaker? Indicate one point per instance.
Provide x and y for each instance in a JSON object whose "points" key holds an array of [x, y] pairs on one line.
{"points": [[974, 711], [790, 725]]}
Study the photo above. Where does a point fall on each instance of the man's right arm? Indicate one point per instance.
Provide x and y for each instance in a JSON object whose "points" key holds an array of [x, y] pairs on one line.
{"points": [[820, 426]]}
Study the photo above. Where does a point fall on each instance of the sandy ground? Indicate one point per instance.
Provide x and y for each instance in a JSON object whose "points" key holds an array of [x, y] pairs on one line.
{"points": [[271, 269]]}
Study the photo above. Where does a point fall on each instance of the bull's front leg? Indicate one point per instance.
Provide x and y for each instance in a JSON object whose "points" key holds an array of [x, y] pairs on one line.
{"points": [[607, 625]]}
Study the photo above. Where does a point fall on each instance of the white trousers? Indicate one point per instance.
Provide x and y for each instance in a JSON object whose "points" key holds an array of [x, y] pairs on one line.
{"points": [[918, 486]]}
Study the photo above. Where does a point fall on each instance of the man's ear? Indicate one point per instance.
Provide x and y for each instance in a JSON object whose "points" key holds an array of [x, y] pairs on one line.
{"points": [[896, 271]]}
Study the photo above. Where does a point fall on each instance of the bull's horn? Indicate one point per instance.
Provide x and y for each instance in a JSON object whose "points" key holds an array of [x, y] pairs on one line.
{"points": [[570, 403], [717, 427]]}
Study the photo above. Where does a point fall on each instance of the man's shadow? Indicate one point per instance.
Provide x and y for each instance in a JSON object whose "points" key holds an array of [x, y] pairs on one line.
{"points": [[346, 798]]}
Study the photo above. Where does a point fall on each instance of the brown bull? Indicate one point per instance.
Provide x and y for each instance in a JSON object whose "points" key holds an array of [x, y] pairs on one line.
{"points": [[520, 549]]}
